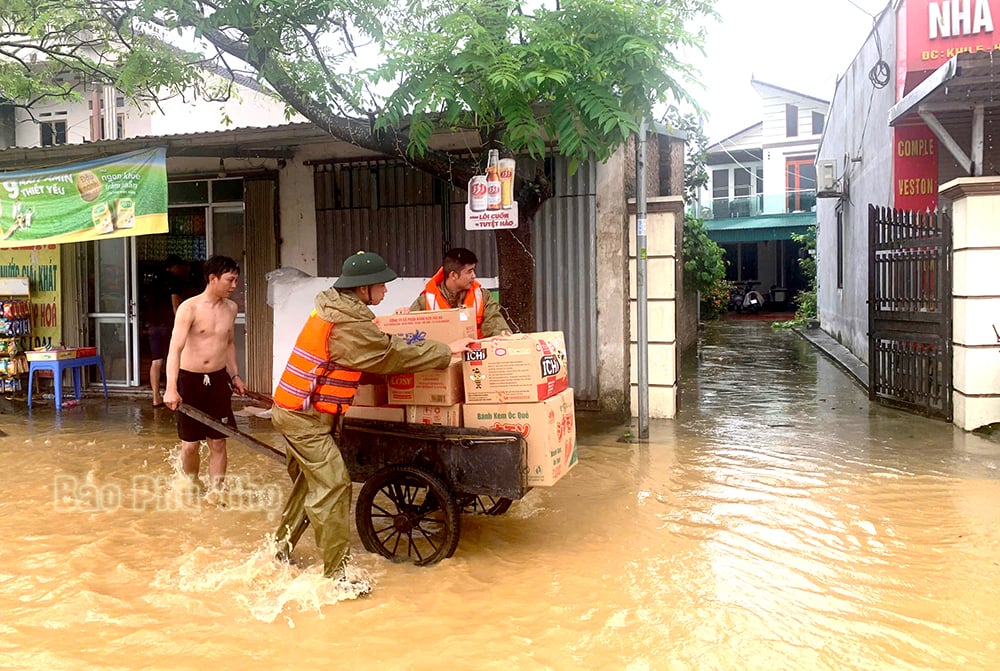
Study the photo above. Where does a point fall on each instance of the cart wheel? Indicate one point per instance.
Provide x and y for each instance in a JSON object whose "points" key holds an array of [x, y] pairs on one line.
{"points": [[407, 514], [485, 505]]}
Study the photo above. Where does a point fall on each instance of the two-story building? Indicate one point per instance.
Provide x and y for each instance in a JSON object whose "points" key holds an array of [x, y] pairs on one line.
{"points": [[762, 189]]}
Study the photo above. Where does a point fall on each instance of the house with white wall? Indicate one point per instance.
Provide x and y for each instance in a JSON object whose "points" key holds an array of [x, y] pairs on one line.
{"points": [[762, 189], [54, 122], [907, 244]]}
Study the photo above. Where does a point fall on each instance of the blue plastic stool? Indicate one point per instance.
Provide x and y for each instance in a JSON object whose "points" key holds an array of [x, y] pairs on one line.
{"points": [[57, 367]]}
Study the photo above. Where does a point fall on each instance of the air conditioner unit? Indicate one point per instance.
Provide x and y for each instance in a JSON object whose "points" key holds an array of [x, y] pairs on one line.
{"points": [[827, 183]]}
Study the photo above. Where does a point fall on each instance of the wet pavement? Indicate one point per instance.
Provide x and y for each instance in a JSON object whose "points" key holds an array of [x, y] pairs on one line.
{"points": [[781, 522]]}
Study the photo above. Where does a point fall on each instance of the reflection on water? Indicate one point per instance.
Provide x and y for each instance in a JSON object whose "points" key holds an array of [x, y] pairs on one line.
{"points": [[780, 522]]}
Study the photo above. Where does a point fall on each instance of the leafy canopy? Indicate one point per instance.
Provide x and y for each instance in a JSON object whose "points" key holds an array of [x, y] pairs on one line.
{"points": [[573, 75], [579, 74]]}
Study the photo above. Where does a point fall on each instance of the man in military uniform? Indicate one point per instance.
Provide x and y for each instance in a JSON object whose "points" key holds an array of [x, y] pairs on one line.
{"points": [[338, 343], [455, 286]]}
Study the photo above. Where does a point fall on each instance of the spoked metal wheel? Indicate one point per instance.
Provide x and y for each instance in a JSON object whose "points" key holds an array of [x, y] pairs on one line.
{"points": [[407, 514], [485, 505]]}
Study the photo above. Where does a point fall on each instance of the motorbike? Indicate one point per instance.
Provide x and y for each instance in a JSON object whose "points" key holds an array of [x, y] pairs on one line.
{"points": [[746, 299]]}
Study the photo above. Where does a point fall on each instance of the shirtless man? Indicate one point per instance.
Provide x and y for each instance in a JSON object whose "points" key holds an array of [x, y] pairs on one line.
{"points": [[201, 366]]}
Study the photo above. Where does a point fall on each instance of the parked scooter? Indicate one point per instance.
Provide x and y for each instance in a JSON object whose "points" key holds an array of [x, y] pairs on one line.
{"points": [[746, 299]]}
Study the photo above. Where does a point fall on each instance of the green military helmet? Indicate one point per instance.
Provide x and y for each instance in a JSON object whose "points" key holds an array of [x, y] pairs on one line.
{"points": [[364, 269]]}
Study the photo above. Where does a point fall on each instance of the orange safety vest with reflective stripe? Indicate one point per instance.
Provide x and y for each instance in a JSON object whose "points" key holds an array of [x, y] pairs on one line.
{"points": [[311, 378], [435, 300]]}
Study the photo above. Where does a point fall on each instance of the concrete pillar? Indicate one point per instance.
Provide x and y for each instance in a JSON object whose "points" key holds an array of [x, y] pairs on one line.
{"points": [[612, 308], [975, 299], [664, 216]]}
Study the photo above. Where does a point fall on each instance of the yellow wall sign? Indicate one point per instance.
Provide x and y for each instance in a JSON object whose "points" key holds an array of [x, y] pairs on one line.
{"points": [[40, 264]]}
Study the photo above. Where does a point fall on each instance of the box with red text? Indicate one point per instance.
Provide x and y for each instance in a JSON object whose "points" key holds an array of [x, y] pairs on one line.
{"points": [[522, 368], [440, 386], [438, 415], [548, 427]]}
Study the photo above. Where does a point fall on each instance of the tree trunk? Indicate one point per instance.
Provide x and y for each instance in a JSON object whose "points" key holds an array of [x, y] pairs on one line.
{"points": [[517, 275]]}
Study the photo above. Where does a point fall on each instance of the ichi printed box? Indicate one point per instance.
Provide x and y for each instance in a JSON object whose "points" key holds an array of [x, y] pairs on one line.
{"points": [[523, 368]]}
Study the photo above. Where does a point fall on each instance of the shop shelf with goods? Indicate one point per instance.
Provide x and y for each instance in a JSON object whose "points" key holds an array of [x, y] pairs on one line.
{"points": [[15, 334]]}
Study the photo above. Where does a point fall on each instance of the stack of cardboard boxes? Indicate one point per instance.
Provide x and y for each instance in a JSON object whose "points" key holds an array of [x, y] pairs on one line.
{"points": [[517, 383]]}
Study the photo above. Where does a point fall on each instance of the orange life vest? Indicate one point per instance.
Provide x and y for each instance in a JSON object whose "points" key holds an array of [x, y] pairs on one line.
{"points": [[311, 378], [473, 298]]}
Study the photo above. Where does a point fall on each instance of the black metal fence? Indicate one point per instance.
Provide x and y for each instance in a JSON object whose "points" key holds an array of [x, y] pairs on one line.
{"points": [[909, 310]]}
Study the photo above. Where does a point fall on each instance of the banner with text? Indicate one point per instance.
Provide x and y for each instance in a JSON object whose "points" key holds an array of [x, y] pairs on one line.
{"points": [[115, 197], [41, 266], [915, 168]]}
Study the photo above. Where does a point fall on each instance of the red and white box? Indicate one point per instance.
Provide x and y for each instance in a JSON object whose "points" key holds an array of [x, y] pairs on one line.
{"points": [[522, 368], [548, 427], [440, 386], [437, 415]]}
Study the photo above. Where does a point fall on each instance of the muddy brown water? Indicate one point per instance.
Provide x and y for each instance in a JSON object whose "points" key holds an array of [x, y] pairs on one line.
{"points": [[781, 522]]}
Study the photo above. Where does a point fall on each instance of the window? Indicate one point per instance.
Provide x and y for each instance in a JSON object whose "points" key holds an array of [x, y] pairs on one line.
{"points": [[791, 121], [720, 194], [740, 207], [818, 120], [52, 133], [119, 126], [840, 248], [800, 176]]}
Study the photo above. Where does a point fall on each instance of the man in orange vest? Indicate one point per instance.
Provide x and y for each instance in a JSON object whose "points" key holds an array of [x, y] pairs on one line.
{"points": [[338, 343], [455, 286]]}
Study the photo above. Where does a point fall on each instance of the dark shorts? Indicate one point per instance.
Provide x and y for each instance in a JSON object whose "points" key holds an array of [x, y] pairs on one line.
{"points": [[213, 399], [159, 341]]}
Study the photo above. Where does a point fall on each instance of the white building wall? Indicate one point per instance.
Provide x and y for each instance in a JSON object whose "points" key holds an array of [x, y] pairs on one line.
{"points": [[246, 108], [859, 138]]}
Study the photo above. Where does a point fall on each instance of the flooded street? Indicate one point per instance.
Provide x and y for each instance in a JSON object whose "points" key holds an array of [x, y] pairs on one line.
{"points": [[781, 522]]}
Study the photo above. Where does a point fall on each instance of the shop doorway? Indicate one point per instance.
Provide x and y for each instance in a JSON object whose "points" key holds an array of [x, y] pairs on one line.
{"points": [[206, 217]]}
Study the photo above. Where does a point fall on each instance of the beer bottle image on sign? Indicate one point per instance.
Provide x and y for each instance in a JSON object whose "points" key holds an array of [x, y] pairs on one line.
{"points": [[493, 196]]}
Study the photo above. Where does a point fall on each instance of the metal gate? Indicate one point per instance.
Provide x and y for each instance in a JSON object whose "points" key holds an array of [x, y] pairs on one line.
{"points": [[909, 310]]}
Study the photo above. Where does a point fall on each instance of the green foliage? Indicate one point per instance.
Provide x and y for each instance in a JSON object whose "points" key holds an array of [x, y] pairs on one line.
{"points": [[578, 75], [573, 76], [50, 48], [696, 149], [705, 268], [806, 308]]}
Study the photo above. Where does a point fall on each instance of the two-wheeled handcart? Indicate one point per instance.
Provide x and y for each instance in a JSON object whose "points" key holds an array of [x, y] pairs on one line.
{"points": [[417, 480]]}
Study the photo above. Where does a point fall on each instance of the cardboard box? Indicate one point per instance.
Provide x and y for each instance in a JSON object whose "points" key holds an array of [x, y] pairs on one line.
{"points": [[371, 395], [385, 413], [438, 415], [441, 325], [441, 386], [523, 368], [50, 354], [549, 429]]}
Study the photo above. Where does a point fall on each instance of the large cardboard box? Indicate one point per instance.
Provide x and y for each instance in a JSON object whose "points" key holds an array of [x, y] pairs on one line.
{"points": [[438, 415], [549, 429], [385, 413], [441, 386], [523, 368], [371, 395], [441, 325]]}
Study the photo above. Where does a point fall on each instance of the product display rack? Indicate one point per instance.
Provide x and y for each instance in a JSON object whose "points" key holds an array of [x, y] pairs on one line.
{"points": [[15, 334]]}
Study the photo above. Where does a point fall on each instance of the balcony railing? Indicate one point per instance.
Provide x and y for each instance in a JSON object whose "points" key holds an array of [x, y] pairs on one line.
{"points": [[759, 204]]}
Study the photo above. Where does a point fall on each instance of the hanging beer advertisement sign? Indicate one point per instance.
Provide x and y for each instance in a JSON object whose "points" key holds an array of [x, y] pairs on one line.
{"points": [[491, 196], [114, 197]]}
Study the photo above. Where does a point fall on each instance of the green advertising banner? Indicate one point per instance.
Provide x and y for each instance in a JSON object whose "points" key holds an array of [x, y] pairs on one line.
{"points": [[112, 197]]}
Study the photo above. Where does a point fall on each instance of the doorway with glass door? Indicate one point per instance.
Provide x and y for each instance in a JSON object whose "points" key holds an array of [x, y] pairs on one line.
{"points": [[205, 218]]}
